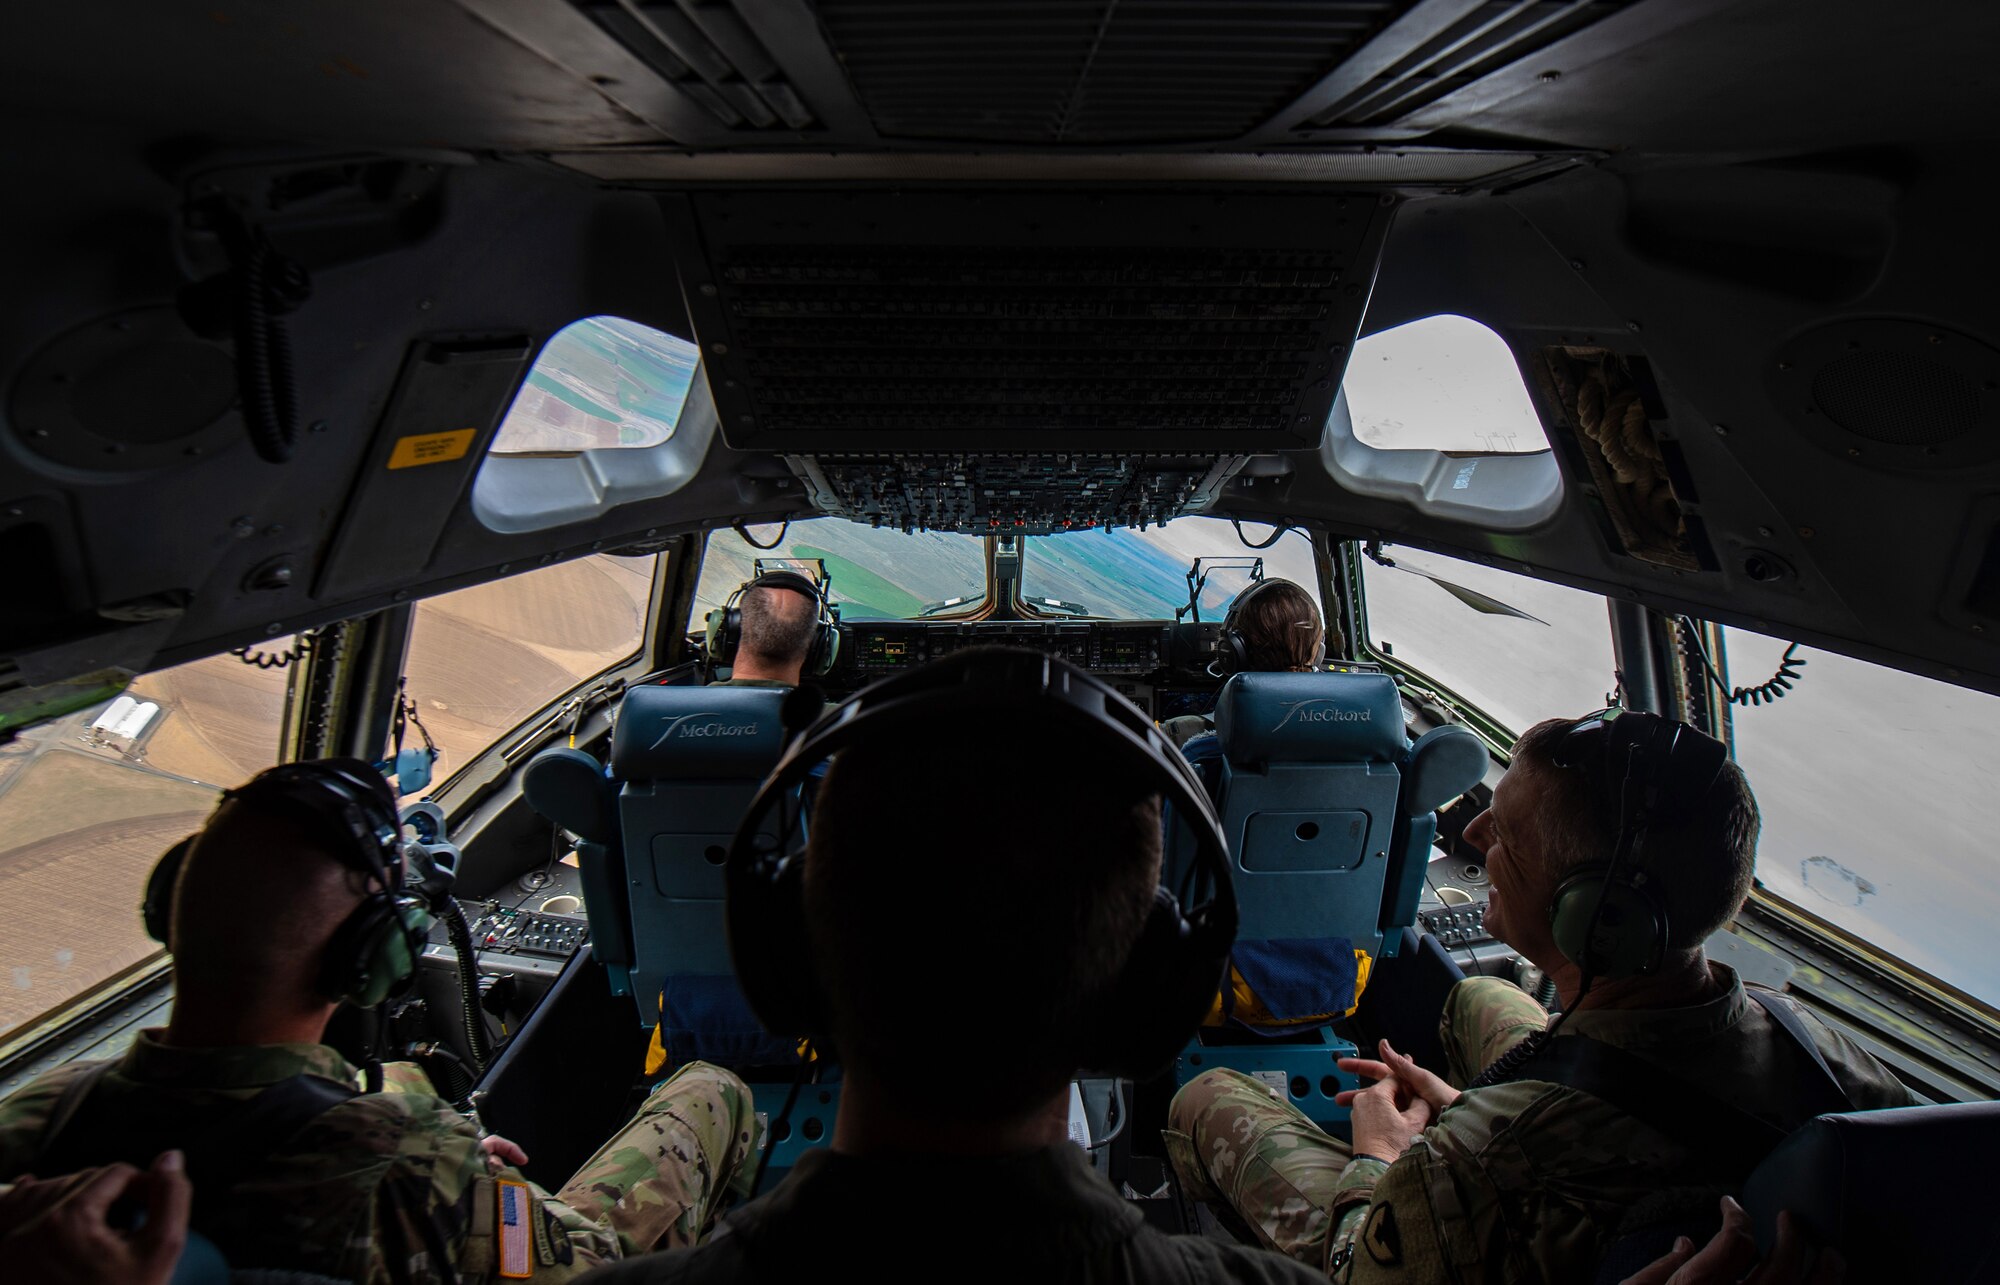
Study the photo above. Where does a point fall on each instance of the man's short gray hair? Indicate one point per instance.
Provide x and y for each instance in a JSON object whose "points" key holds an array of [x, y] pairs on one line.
{"points": [[778, 624]]}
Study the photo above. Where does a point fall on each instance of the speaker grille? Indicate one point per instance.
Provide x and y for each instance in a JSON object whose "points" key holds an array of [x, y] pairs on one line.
{"points": [[1898, 398], [1087, 71]]}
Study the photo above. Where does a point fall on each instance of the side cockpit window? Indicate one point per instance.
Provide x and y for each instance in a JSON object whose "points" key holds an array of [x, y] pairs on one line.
{"points": [[1873, 784], [1515, 648], [88, 802], [481, 660]]}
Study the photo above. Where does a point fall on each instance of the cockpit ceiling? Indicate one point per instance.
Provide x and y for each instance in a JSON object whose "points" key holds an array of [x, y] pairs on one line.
{"points": [[1077, 322]]}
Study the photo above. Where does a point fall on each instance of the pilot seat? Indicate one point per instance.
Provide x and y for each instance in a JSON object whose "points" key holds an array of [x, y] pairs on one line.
{"points": [[1329, 810], [654, 835]]}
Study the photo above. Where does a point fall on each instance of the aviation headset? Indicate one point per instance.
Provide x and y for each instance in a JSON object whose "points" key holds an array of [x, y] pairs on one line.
{"points": [[1608, 917], [1167, 983], [1234, 650], [724, 633], [374, 952]]}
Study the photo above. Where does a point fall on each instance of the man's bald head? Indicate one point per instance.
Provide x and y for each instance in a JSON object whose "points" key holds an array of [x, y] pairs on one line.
{"points": [[778, 627], [258, 900]]}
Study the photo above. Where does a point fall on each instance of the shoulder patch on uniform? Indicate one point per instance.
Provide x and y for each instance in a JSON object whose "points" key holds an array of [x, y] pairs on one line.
{"points": [[1380, 1237], [559, 1252]]}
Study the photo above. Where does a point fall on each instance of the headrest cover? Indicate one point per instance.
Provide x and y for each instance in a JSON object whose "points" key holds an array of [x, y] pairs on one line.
{"points": [[698, 732], [1310, 718]]}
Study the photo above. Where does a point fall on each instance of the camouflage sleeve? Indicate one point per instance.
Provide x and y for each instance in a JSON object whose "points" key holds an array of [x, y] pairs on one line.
{"points": [[1484, 1017], [25, 1114], [1353, 1196], [437, 1212], [407, 1077]]}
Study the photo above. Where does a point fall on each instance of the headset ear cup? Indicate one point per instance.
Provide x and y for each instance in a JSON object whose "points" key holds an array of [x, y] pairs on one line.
{"points": [[716, 637], [1631, 929], [375, 952], [157, 908], [826, 650]]}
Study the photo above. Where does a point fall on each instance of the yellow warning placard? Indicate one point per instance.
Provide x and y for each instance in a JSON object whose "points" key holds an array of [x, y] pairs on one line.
{"points": [[431, 448]]}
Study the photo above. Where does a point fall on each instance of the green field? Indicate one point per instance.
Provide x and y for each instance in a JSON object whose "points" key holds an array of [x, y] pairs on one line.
{"points": [[574, 398], [860, 591]]}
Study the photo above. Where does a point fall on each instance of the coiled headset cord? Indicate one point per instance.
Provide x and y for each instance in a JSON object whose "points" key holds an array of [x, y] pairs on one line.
{"points": [[1763, 693], [476, 1040]]}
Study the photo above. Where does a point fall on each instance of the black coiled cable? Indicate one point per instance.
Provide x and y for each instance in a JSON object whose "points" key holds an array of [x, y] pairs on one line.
{"points": [[476, 1041], [1779, 684], [1504, 1067], [265, 284], [268, 659], [447, 1071]]}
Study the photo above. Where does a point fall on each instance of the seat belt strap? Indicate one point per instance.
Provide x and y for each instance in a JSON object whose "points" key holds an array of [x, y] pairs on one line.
{"points": [[1732, 1140], [1788, 1020]]}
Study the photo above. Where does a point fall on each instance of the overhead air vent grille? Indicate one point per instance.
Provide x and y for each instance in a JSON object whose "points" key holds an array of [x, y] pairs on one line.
{"points": [[704, 49], [949, 321], [1090, 71], [1489, 37]]}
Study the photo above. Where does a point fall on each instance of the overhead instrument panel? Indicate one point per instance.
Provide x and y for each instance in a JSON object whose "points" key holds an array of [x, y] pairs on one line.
{"points": [[1017, 494], [945, 322]]}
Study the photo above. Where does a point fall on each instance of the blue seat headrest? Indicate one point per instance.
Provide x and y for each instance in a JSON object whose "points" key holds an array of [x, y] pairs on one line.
{"points": [[1444, 763], [568, 787], [1310, 718], [698, 732]]}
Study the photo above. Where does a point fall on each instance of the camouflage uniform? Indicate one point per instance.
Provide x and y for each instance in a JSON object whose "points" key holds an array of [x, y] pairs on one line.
{"points": [[393, 1186], [1523, 1181]]}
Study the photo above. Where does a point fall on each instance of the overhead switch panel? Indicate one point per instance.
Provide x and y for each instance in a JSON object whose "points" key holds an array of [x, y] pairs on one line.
{"points": [[968, 321], [1014, 494]]}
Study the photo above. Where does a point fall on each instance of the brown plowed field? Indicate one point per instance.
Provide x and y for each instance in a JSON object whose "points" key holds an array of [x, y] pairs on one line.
{"points": [[69, 893]]}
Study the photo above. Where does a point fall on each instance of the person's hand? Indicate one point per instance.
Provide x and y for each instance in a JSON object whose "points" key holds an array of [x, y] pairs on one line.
{"points": [[500, 1153], [58, 1229], [1731, 1252], [1386, 1119], [1414, 1080]]}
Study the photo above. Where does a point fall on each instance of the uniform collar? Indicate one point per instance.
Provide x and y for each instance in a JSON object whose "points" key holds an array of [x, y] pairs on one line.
{"points": [[1055, 1189], [1638, 1028], [150, 1060]]}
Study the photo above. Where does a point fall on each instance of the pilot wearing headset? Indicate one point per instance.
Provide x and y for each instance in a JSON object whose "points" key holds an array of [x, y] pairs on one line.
{"points": [[1273, 626], [289, 901], [773, 631], [1615, 845]]}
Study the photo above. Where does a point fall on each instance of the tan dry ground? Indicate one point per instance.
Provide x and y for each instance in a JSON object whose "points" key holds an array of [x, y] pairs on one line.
{"points": [[80, 835], [483, 659], [221, 718], [80, 828]]}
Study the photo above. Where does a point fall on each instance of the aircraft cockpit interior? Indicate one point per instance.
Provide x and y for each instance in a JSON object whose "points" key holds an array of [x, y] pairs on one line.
{"points": [[560, 453]]}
